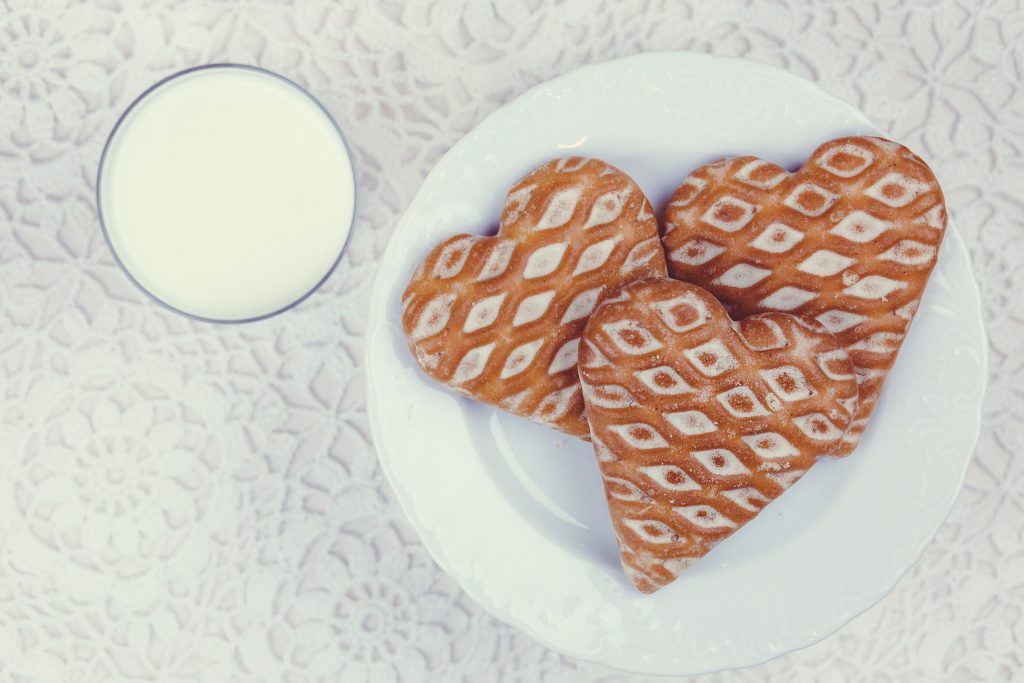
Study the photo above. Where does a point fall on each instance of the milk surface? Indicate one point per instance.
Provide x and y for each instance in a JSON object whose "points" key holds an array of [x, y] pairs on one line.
{"points": [[227, 193]]}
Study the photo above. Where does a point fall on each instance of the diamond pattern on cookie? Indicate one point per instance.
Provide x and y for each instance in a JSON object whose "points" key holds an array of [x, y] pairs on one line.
{"points": [[499, 318], [696, 434], [850, 239]]}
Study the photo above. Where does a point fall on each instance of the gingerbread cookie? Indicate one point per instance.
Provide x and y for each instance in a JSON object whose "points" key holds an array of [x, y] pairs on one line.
{"points": [[499, 318], [849, 240], [699, 422]]}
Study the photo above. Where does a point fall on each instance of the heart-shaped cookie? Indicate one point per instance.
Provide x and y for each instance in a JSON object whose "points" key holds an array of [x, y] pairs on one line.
{"points": [[850, 240], [699, 422], [499, 318]]}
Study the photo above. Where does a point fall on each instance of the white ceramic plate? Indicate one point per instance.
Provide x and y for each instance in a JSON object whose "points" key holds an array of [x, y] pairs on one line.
{"points": [[515, 512]]}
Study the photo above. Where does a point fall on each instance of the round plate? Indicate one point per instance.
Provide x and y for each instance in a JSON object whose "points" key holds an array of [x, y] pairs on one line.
{"points": [[515, 512]]}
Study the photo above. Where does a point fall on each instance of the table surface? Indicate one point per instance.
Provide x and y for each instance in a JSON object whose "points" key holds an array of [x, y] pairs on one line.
{"points": [[189, 502]]}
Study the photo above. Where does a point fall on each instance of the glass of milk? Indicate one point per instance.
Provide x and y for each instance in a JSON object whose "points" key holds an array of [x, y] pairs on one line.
{"points": [[226, 193]]}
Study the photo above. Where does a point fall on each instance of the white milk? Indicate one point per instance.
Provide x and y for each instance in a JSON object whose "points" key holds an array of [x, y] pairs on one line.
{"points": [[227, 193]]}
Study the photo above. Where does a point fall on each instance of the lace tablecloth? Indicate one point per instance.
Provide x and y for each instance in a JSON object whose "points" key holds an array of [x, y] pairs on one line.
{"points": [[188, 502]]}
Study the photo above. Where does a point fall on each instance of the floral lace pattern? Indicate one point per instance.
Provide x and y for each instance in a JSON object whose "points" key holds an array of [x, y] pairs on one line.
{"points": [[188, 502]]}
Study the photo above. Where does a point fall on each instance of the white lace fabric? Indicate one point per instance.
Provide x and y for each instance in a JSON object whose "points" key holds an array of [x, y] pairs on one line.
{"points": [[189, 502]]}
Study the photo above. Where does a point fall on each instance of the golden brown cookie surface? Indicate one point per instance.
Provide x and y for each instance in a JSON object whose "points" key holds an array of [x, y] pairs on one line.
{"points": [[499, 318], [850, 240], [699, 422]]}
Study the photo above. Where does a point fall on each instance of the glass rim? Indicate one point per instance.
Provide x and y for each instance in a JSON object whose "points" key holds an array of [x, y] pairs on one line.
{"points": [[141, 98]]}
